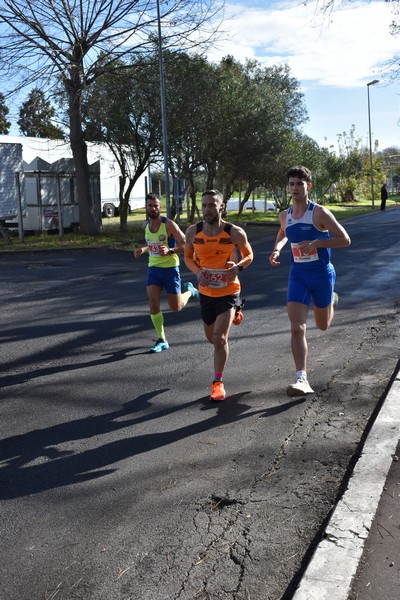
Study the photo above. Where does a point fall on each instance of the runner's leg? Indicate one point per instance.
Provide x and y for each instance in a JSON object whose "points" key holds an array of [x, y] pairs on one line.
{"points": [[324, 298], [217, 334], [178, 301], [298, 313], [219, 338], [323, 316], [157, 318]]}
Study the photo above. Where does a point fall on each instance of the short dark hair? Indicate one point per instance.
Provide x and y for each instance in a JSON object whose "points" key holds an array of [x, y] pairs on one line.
{"points": [[213, 193], [300, 172], [152, 196]]}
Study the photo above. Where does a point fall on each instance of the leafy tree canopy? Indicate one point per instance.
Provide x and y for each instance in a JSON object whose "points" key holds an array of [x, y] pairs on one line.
{"points": [[66, 41], [35, 117], [5, 124]]}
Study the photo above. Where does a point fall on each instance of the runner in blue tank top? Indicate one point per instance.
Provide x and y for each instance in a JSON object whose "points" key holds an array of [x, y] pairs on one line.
{"points": [[312, 231]]}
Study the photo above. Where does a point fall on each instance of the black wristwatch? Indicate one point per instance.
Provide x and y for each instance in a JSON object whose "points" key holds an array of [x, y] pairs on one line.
{"points": [[171, 251], [240, 267]]}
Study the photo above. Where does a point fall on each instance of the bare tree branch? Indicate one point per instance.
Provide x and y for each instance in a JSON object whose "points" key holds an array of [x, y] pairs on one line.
{"points": [[66, 41]]}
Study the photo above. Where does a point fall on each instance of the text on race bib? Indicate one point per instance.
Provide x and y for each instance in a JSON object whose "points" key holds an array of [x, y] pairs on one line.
{"points": [[301, 257], [154, 248], [216, 278]]}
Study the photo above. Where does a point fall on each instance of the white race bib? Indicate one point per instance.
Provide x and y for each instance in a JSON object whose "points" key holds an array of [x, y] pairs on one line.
{"points": [[154, 248], [301, 257], [216, 278]]}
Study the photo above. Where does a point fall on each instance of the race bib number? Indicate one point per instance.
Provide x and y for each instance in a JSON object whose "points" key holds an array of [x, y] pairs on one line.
{"points": [[154, 248], [216, 278], [301, 257]]}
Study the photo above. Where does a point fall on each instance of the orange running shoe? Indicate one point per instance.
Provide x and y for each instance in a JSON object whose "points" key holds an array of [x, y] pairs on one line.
{"points": [[237, 319], [217, 391]]}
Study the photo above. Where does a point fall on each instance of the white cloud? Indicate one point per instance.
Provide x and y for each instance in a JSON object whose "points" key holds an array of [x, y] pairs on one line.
{"points": [[346, 50]]}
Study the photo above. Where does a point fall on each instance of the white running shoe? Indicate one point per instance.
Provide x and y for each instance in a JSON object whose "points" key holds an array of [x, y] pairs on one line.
{"points": [[335, 299], [300, 388]]}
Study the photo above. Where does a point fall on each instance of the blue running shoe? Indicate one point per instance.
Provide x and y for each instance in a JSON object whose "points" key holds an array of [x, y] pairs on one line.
{"points": [[189, 287], [159, 346]]}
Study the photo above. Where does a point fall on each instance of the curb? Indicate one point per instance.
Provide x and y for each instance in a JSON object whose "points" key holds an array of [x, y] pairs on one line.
{"points": [[334, 563]]}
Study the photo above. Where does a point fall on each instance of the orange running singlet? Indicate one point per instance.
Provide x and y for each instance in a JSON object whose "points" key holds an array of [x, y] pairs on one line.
{"points": [[212, 254]]}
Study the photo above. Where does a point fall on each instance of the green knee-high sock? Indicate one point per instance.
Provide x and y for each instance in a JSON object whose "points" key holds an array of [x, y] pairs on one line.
{"points": [[158, 322]]}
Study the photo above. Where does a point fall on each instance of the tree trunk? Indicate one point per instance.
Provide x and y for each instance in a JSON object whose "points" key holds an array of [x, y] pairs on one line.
{"points": [[89, 217], [226, 195], [124, 203], [211, 173], [244, 200], [192, 195]]}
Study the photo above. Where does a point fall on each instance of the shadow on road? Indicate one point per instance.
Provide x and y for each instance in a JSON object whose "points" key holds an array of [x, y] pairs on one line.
{"points": [[55, 467]]}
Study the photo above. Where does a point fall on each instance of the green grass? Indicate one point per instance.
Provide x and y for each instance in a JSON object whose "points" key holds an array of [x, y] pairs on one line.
{"points": [[111, 236]]}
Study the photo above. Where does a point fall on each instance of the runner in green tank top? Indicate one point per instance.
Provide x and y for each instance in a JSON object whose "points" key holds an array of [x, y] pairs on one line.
{"points": [[164, 242]]}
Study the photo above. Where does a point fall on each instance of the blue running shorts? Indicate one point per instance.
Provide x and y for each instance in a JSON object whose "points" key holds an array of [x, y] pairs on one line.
{"points": [[317, 284], [168, 278]]}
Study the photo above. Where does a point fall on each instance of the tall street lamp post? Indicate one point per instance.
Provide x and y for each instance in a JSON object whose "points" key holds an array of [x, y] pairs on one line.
{"points": [[370, 143], [163, 115]]}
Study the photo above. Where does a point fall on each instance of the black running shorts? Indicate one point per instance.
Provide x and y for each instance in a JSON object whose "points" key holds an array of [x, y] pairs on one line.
{"points": [[212, 307]]}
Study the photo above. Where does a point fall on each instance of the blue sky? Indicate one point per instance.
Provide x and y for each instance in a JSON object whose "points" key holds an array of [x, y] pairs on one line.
{"points": [[333, 58]]}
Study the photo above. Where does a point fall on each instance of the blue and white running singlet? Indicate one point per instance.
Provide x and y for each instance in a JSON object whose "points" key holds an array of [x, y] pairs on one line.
{"points": [[298, 230], [311, 275]]}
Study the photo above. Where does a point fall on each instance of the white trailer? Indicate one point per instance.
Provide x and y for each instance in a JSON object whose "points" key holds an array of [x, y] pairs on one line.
{"points": [[51, 151], [11, 180], [110, 177], [11, 187], [51, 197]]}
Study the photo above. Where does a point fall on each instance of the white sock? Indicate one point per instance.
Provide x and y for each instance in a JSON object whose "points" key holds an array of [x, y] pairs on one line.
{"points": [[302, 374]]}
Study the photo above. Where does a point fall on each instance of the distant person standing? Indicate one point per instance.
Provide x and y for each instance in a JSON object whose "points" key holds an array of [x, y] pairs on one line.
{"points": [[312, 231], [164, 240], [384, 196]]}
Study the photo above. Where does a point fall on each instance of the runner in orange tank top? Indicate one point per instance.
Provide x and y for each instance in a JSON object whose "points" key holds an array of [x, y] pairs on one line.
{"points": [[211, 250]]}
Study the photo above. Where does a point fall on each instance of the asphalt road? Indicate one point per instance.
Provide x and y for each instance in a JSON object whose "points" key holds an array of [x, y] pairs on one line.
{"points": [[120, 480]]}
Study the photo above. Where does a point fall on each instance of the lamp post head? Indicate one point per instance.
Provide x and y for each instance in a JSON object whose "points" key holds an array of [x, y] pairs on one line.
{"points": [[373, 82]]}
